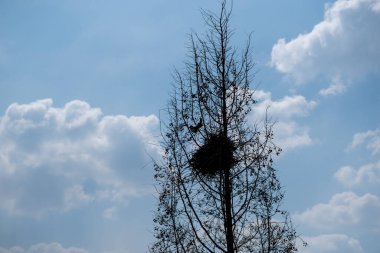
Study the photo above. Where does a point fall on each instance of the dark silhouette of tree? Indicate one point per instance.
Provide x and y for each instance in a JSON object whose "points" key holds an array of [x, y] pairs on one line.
{"points": [[218, 191]]}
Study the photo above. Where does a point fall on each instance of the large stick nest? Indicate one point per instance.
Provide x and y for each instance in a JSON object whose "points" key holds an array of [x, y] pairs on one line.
{"points": [[213, 156]]}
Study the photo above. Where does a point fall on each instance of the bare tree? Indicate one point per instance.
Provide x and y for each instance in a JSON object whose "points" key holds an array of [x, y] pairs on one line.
{"points": [[218, 191]]}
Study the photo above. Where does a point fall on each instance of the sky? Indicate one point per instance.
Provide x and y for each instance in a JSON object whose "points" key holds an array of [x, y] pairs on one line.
{"points": [[82, 85]]}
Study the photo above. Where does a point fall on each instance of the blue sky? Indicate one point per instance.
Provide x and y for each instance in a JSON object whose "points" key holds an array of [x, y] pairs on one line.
{"points": [[82, 84]]}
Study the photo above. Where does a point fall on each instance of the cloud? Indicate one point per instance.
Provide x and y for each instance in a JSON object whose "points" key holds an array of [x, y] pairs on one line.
{"points": [[337, 87], [344, 209], [44, 248], [288, 133], [61, 158], [366, 175], [110, 213], [371, 138], [342, 47], [331, 243]]}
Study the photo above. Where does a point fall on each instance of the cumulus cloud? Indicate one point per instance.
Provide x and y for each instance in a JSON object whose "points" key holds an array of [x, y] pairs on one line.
{"points": [[288, 133], [44, 248], [60, 158], [343, 209], [371, 139], [344, 46], [331, 243], [366, 175]]}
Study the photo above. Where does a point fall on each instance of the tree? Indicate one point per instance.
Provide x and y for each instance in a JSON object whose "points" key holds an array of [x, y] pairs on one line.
{"points": [[218, 191]]}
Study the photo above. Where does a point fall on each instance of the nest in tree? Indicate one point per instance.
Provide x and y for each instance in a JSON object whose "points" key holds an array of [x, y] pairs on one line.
{"points": [[213, 156]]}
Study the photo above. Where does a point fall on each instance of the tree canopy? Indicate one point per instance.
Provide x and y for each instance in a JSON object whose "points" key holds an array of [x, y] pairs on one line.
{"points": [[218, 190]]}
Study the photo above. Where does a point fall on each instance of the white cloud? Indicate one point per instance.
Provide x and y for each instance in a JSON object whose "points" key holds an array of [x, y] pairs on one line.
{"points": [[366, 175], [288, 133], [342, 47], [57, 159], [337, 87], [344, 209], [331, 243], [371, 138], [44, 248]]}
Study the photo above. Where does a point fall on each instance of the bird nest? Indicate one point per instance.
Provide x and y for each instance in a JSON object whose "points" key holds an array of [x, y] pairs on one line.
{"points": [[213, 156]]}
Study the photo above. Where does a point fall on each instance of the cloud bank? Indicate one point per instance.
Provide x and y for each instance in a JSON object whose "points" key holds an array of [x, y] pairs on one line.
{"points": [[370, 138], [288, 133], [366, 175], [331, 243], [43, 248], [355, 213], [343, 210], [342, 47], [61, 158]]}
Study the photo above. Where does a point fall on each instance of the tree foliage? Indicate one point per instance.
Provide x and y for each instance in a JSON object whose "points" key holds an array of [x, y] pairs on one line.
{"points": [[218, 191]]}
